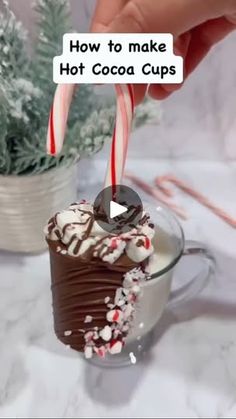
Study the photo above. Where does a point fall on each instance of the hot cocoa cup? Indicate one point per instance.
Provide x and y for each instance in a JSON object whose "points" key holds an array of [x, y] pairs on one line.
{"points": [[96, 279]]}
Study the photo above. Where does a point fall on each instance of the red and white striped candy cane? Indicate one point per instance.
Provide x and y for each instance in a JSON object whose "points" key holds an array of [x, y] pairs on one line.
{"points": [[58, 118], [123, 125], [124, 116], [161, 183]]}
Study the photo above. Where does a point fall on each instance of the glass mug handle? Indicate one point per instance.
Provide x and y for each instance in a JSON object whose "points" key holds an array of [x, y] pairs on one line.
{"points": [[196, 284]]}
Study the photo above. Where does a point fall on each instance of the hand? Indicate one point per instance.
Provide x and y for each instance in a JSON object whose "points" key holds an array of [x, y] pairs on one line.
{"points": [[197, 25]]}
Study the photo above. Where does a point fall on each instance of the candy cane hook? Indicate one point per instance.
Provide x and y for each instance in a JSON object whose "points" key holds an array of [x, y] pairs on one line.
{"points": [[124, 116]]}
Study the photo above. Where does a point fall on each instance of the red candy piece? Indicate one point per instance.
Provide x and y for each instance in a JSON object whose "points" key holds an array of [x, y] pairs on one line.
{"points": [[113, 342], [100, 351], [115, 347], [114, 243], [116, 316]]}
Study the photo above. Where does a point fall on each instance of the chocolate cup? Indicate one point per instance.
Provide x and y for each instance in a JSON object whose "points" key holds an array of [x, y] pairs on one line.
{"points": [[79, 289]]}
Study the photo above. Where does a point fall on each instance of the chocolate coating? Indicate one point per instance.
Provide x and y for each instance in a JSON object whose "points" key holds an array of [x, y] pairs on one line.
{"points": [[79, 289], [87, 266]]}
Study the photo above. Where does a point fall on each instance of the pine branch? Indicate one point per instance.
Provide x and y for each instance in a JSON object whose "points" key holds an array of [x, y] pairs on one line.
{"points": [[13, 55], [53, 22], [4, 162]]}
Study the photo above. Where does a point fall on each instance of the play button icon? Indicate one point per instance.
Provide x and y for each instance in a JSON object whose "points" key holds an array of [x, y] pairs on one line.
{"points": [[118, 210]]}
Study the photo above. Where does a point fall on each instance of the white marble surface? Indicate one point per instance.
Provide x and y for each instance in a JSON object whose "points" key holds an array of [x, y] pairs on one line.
{"points": [[191, 370]]}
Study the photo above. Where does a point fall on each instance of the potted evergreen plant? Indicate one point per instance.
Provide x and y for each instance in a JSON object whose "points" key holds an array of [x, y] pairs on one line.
{"points": [[33, 185]]}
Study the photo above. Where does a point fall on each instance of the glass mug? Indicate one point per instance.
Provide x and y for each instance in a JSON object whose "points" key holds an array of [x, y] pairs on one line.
{"points": [[170, 247]]}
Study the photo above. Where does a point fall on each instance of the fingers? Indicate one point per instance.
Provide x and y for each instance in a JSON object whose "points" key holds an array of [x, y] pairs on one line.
{"points": [[196, 24], [157, 91], [158, 16], [172, 16], [105, 12], [139, 93], [194, 48], [203, 39], [181, 47], [232, 18]]}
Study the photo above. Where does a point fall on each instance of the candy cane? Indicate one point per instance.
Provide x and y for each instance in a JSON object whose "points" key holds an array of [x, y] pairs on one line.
{"points": [[58, 118], [161, 181], [124, 115], [152, 191]]}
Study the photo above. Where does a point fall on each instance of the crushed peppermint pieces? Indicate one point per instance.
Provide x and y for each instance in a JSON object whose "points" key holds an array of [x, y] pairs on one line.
{"points": [[147, 243], [101, 352], [136, 289], [89, 336], [88, 352], [114, 244], [115, 347], [115, 316], [88, 319], [67, 333], [106, 333], [119, 317], [128, 311]]}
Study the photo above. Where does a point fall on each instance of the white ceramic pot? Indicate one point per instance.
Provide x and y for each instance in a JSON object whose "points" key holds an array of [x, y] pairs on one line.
{"points": [[27, 202]]}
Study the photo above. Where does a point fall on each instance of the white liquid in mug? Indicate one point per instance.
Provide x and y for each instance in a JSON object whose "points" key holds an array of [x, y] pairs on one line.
{"points": [[155, 292]]}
